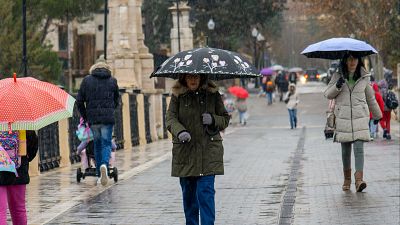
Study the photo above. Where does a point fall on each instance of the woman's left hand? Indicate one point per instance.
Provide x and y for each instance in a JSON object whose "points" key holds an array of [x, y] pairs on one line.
{"points": [[207, 119]]}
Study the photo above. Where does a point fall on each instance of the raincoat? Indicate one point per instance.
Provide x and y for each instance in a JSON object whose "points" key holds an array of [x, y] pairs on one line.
{"points": [[352, 108], [203, 155]]}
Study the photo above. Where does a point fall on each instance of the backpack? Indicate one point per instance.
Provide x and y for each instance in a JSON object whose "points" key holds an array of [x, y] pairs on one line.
{"points": [[391, 100], [270, 86], [10, 143]]}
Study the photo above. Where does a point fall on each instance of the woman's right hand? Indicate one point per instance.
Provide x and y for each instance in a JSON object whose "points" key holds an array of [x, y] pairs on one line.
{"points": [[340, 82], [184, 136]]}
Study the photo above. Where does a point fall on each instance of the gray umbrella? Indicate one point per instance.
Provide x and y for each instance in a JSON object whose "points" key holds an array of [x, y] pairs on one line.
{"points": [[218, 64]]}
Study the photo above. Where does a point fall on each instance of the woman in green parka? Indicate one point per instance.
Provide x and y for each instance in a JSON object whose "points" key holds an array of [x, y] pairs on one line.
{"points": [[197, 155]]}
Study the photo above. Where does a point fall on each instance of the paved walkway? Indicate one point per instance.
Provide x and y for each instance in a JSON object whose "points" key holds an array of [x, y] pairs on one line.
{"points": [[262, 160]]}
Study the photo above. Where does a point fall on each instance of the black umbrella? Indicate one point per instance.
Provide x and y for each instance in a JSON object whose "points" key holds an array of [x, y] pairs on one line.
{"points": [[218, 64]]}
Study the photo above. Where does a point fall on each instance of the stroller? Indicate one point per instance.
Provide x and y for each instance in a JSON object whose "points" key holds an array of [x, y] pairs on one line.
{"points": [[89, 165], [86, 151]]}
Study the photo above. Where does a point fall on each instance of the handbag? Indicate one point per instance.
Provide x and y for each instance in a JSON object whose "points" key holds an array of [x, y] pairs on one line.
{"points": [[84, 133], [330, 115], [329, 130]]}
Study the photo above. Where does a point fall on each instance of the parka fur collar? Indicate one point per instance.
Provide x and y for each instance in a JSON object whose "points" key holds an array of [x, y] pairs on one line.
{"points": [[179, 89]]}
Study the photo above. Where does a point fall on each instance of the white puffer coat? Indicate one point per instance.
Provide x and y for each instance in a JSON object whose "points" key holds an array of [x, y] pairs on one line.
{"points": [[352, 108]]}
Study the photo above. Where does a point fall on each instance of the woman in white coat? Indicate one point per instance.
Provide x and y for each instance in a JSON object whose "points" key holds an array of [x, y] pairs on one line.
{"points": [[354, 99], [292, 100]]}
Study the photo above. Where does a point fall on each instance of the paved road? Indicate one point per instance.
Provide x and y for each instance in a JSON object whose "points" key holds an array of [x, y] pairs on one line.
{"points": [[259, 164]]}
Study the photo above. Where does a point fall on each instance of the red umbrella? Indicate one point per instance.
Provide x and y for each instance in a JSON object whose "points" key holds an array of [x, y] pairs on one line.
{"points": [[238, 92], [30, 104]]}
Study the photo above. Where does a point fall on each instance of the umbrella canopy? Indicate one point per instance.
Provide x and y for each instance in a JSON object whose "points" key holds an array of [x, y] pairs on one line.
{"points": [[30, 104], [276, 67], [337, 48], [238, 92], [295, 69], [267, 71], [218, 64]]}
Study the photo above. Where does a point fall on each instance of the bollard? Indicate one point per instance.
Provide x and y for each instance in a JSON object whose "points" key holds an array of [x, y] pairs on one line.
{"points": [[126, 121], [64, 143], [141, 120]]}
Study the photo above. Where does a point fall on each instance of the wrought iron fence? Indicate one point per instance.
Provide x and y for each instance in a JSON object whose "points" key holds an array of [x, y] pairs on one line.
{"points": [[72, 138], [134, 119], [119, 127], [147, 117], [164, 113], [49, 148]]}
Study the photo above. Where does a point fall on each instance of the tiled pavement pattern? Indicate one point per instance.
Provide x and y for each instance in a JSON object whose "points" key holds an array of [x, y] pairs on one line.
{"points": [[257, 163]]}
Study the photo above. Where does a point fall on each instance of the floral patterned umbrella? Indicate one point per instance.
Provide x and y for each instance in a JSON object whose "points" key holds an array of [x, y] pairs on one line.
{"points": [[218, 64]]}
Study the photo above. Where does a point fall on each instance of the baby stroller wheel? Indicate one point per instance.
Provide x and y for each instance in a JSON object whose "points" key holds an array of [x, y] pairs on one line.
{"points": [[78, 175], [115, 174]]}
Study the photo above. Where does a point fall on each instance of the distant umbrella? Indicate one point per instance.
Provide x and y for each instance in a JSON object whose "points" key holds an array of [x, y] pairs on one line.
{"points": [[276, 67], [295, 69], [337, 48], [267, 72]]}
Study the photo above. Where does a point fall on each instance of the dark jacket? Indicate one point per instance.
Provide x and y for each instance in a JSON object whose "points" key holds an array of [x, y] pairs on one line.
{"points": [[203, 155], [32, 144], [98, 97]]}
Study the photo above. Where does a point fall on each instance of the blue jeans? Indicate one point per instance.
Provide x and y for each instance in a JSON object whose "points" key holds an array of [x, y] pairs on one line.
{"points": [[102, 134], [242, 117], [269, 97], [372, 128], [198, 195], [293, 118]]}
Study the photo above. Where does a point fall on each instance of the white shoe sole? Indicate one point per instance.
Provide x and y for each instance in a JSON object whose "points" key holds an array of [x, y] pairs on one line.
{"points": [[103, 176]]}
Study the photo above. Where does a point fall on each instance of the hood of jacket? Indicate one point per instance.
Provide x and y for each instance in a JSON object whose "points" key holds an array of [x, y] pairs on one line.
{"points": [[100, 69], [179, 89]]}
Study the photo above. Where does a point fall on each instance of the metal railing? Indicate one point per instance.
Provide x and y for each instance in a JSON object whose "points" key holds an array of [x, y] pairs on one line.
{"points": [[119, 127], [147, 117], [49, 148], [164, 113], [73, 123], [134, 119]]}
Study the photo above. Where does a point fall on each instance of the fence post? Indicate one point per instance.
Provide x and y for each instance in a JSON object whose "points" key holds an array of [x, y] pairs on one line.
{"points": [[154, 110], [168, 99], [141, 120], [126, 121], [64, 143], [34, 166]]}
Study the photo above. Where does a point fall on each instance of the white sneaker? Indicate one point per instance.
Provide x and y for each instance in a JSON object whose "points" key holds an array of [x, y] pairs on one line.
{"points": [[103, 175]]}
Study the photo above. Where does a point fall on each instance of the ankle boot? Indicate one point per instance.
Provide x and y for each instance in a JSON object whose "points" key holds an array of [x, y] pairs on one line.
{"points": [[360, 184], [347, 180], [384, 133]]}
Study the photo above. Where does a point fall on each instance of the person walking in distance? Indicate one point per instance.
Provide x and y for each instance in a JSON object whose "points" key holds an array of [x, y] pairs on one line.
{"points": [[97, 99]]}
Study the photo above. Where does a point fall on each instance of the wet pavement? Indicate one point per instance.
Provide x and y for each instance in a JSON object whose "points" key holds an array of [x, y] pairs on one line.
{"points": [[259, 159]]}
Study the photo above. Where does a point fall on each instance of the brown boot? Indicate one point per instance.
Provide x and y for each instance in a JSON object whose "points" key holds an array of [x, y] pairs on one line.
{"points": [[347, 180], [360, 184]]}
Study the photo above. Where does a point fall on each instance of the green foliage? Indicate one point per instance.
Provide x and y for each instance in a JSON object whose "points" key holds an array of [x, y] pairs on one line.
{"points": [[158, 23], [43, 63], [234, 20]]}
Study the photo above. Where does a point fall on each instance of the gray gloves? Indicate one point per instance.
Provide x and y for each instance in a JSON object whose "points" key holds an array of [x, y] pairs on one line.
{"points": [[339, 82], [207, 119], [184, 136]]}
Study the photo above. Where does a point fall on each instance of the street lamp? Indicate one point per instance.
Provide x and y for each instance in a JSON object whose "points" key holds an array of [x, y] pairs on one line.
{"points": [[210, 26], [257, 37]]}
